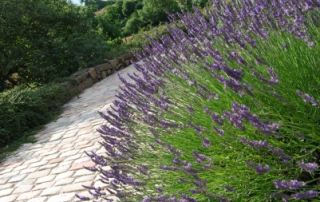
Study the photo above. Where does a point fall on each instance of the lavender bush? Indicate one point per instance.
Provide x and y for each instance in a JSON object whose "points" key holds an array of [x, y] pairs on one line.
{"points": [[224, 112]]}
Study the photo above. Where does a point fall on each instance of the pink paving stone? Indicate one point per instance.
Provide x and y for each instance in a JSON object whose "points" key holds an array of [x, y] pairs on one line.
{"points": [[85, 130], [51, 191], [18, 178], [22, 189], [80, 165], [6, 192], [62, 198], [75, 187], [56, 160], [10, 198], [38, 174], [29, 195], [64, 181], [45, 179], [15, 165], [64, 175], [43, 186], [38, 199]]}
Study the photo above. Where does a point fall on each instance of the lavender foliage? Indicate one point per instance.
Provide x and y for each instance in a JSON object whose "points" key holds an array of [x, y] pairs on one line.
{"points": [[160, 105]]}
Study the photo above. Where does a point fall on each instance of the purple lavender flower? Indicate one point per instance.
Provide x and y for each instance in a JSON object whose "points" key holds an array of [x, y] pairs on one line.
{"points": [[82, 198], [310, 167], [259, 168], [288, 185], [306, 195], [255, 143], [307, 98]]}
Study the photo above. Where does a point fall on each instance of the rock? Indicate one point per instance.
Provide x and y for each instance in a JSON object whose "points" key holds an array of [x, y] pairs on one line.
{"points": [[104, 74], [92, 72], [89, 83], [114, 63], [103, 67], [80, 75], [118, 66], [127, 56], [127, 62], [121, 59], [81, 87]]}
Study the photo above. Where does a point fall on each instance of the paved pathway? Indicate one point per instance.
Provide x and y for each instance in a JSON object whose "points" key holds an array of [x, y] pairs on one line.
{"points": [[52, 168]]}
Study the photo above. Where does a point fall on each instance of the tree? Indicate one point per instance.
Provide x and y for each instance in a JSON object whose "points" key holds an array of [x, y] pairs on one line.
{"points": [[133, 24], [185, 4], [41, 40], [128, 7], [200, 3], [153, 11]]}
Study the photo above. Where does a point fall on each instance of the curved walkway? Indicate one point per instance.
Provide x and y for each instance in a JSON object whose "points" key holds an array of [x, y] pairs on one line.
{"points": [[51, 169]]}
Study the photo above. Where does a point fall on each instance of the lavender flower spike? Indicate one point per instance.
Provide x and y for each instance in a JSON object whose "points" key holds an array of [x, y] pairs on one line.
{"points": [[289, 185], [259, 168], [82, 198], [306, 195], [310, 167]]}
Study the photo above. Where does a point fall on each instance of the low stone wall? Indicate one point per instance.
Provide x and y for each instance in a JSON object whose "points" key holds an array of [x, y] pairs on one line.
{"points": [[85, 78]]}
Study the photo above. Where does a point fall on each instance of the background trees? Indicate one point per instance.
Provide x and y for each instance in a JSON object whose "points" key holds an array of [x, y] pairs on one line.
{"points": [[44, 39], [153, 11]]}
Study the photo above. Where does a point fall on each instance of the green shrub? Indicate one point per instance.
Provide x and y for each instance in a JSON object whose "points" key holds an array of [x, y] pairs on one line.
{"points": [[25, 108]]}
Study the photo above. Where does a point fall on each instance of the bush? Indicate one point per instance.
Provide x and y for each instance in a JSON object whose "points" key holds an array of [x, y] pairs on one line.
{"points": [[45, 39], [223, 114], [25, 108]]}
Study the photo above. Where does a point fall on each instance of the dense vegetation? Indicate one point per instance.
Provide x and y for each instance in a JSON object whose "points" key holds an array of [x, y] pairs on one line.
{"points": [[227, 110], [44, 41]]}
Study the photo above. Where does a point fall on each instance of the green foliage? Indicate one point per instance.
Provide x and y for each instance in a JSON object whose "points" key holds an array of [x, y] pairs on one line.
{"points": [[153, 11], [45, 39], [200, 3], [133, 24], [128, 7], [24, 109], [185, 4]]}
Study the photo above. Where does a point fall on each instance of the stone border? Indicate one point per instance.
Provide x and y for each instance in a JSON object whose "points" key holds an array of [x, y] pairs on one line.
{"points": [[85, 78]]}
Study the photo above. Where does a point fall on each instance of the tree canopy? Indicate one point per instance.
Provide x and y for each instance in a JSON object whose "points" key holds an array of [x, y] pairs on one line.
{"points": [[44, 39], [154, 11]]}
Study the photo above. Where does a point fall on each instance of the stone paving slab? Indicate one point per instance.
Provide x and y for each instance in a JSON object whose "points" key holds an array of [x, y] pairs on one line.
{"points": [[51, 169]]}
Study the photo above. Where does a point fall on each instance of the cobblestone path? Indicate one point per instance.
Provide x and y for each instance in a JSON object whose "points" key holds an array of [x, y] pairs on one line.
{"points": [[51, 169]]}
